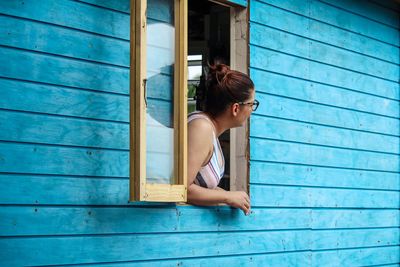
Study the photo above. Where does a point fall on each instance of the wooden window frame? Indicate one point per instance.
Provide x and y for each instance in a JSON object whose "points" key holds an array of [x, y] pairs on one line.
{"points": [[239, 137], [140, 190]]}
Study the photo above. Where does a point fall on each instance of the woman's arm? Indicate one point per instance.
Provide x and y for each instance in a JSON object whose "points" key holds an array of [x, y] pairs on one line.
{"points": [[198, 195], [200, 147]]}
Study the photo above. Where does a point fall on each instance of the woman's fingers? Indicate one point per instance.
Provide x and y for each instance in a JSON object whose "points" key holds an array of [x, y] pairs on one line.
{"points": [[239, 199], [246, 197], [244, 209]]}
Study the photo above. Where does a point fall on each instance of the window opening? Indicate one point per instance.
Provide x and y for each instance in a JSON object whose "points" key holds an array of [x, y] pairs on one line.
{"points": [[208, 42]]}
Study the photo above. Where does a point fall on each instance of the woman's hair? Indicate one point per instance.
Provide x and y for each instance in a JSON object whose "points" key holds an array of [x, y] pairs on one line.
{"points": [[224, 87]]}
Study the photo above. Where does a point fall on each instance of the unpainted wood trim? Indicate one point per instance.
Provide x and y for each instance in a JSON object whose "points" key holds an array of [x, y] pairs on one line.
{"points": [[180, 95], [132, 112], [183, 69], [137, 101], [139, 189], [176, 93], [239, 144], [164, 193]]}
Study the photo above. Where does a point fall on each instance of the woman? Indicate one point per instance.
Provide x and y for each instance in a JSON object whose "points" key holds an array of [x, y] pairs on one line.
{"points": [[228, 104]]}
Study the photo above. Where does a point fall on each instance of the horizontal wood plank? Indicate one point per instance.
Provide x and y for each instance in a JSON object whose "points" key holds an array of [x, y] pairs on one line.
{"points": [[41, 159], [63, 41], [307, 197], [49, 99], [285, 42], [332, 239], [62, 71], [293, 66], [340, 18], [278, 84], [349, 218], [293, 109], [71, 14], [317, 30], [22, 127], [44, 220], [122, 6], [278, 260], [165, 193], [294, 131], [60, 190], [44, 98], [84, 249], [286, 152], [87, 249], [369, 10], [358, 257], [380, 256], [292, 174]]}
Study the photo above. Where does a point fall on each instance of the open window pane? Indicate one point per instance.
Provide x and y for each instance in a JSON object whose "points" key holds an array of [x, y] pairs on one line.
{"points": [[160, 92], [194, 74], [158, 154]]}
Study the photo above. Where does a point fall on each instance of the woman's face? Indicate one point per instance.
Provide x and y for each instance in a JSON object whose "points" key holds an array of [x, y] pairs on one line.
{"points": [[245, 110]]}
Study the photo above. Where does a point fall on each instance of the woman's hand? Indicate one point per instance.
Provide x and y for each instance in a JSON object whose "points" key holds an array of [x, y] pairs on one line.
{"points": [[238, 199]]}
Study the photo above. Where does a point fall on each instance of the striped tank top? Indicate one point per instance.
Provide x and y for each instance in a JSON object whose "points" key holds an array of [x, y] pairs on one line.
{"points": [[210, 174]]}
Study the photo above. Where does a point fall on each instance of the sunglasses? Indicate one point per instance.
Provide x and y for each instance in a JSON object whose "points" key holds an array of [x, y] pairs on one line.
{"points": [[254, 104]]}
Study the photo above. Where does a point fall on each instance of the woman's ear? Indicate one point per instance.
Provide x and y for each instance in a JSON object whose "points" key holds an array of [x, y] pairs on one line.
{"points": [[235, 109]]}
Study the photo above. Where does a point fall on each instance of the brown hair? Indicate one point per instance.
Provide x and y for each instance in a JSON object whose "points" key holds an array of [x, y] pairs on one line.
{"points": [[224, 87]]}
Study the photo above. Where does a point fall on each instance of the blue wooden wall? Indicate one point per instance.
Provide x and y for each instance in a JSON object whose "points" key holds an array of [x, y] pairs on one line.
{"points": [[324, 142]]}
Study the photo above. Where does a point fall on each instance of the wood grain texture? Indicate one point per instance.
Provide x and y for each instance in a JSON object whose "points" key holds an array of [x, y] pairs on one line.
{"points": [[81, 249], [324, 143], [340, 18], [76, 44], [293, 174], [295, 131], [315, 197], [367, 256], [293, 66], [369, 10], [304, 111], [280, 151], [28, 221], [274, 83], [63, 71], [289, 43], [177, 246], [294, 22], [45, 129], [29, 158], [323, 98], [72, 14], [58, 100]]}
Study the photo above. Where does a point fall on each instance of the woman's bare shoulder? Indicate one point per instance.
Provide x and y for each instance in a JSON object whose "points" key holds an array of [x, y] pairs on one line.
{"points": [[201, 124], [201, 130], [200, 145]]}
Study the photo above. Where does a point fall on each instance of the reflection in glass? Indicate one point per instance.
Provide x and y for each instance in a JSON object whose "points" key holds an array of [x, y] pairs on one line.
{"points": [[160, 92], [194, 74]]}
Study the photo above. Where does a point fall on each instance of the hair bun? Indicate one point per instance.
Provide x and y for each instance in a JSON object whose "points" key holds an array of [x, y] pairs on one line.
{"points": [[225, 86], [218, 72]]}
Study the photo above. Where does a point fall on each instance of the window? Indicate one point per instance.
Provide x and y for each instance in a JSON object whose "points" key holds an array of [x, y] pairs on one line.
{"points": [[158, 117], [163, 88], [218, 33]]}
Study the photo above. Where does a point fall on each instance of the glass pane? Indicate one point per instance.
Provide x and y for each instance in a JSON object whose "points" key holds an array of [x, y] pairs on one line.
{"points": [[194, 74], [160, 91]]}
